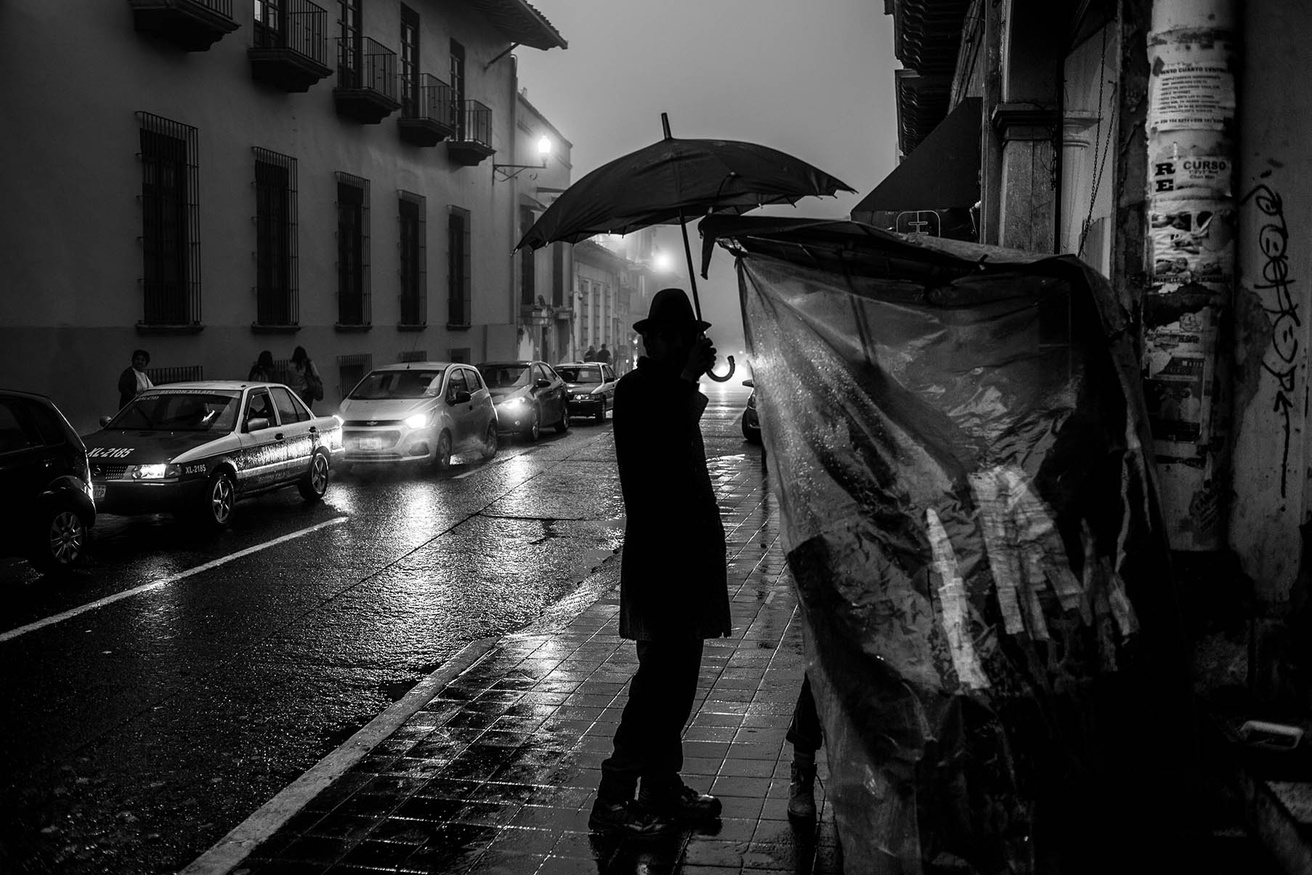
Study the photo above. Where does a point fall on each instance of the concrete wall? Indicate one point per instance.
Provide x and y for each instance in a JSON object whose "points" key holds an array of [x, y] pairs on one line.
{"points": [[1273, 303], [70, 265]]}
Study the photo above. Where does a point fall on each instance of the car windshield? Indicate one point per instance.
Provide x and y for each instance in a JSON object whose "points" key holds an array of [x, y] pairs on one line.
{"points": [[505, 377], [190, 410], [580, 375], [381, 385]]}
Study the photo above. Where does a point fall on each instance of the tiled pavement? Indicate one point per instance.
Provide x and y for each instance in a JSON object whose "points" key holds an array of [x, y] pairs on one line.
{"points": [[497, 772]]}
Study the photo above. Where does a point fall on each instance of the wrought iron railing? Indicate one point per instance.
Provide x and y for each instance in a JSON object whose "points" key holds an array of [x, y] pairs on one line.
{"points": [[298, 25], [436, 101], [476, 123], [181, 374], [366, 63], [223, 7]]}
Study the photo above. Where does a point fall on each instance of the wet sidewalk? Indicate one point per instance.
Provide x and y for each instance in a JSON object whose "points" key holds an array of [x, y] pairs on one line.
{"points": [[496, 772]]}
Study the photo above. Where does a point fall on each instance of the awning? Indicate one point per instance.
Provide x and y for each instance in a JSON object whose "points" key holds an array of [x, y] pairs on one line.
{"points": [[521, 23], [941, 173]]}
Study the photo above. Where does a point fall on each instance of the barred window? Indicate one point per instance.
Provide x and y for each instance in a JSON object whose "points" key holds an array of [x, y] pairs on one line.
{"points": [[459, 280], [276, 269], [176, 374], [414, 258], [352, 250], [351, 370], [528, 281], [170, 222], [409, 62]]}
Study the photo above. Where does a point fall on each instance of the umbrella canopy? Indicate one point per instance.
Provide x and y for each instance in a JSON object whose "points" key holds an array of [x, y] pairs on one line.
{"points": [[673, 180]]}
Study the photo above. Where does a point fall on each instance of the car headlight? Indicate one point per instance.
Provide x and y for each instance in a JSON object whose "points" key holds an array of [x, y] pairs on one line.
{"points": [[153, 472], [419, 420], [513, 402]]}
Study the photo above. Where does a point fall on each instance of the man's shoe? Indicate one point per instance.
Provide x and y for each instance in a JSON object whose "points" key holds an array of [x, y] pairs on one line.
{"points": [[801, 789], [683, 804], [628, 818]]}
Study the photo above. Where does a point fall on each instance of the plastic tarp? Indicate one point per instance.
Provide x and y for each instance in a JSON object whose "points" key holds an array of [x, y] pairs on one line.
{"points": [[955, 433]]}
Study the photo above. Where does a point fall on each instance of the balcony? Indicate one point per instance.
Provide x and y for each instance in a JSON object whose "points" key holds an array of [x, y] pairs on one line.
{"points": [[191, 25], [472, 141], [430, 116], [366, 81], [291, 45]]}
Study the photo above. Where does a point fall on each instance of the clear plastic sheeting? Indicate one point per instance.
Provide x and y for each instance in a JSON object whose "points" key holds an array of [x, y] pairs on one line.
{"points": [[955, 433]]}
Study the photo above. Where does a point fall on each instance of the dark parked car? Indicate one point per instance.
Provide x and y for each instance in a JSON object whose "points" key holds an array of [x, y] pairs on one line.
{"points": [[45, 481], [591, 387], [528, 395], [751, 420]]}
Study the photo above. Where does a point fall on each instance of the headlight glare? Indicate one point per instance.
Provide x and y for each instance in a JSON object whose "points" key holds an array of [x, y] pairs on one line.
{"points": [[151, 472], [418, 420]]}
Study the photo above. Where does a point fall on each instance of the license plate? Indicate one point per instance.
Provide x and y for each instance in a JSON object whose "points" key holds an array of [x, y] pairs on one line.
{"points": [[98, 491], [371, 443]]}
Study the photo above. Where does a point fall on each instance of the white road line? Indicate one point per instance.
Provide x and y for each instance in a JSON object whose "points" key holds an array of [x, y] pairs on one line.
{"points": [[160, 584], [233, 848]]}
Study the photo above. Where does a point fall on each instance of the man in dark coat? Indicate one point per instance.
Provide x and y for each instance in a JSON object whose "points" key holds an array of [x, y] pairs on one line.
{"points": [[673, 583]]}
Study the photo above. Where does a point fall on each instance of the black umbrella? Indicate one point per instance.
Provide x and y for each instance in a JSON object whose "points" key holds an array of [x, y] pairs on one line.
{"points": [[671, 181]]}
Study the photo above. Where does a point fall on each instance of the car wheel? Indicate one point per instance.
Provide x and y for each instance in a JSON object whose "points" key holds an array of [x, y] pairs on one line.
{"points": [[490, 441], [442, 455], [62, 541], [601, 411], [220, 497], [563, 425], [534, 430], [315, 482]]}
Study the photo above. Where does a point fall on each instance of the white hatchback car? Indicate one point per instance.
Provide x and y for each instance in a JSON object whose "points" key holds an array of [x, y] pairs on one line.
{"points": [[419, 412]]}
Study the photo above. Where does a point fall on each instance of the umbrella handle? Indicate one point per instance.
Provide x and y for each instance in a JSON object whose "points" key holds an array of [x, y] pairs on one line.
{"points": [[717, 378]]}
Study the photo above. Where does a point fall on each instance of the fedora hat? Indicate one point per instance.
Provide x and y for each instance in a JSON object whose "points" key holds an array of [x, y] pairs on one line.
{"points": [[670, 308]]}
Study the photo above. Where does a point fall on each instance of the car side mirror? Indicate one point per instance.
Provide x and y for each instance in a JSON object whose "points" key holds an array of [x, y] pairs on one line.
{"points": [[257, 423], [461, 397], [542, 384], [104, 421], [749, 384]]}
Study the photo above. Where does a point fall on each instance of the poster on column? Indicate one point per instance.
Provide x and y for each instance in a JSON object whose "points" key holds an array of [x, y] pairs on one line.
{"points": [[1191, 84], [1192, 241], [1177, 376]]}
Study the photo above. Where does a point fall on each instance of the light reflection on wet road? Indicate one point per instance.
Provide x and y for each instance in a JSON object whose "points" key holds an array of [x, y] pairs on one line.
{"points": [[146, 728]]}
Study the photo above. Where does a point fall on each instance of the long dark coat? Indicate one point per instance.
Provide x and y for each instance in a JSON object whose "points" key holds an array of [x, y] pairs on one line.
{"points": [[673, 583]]}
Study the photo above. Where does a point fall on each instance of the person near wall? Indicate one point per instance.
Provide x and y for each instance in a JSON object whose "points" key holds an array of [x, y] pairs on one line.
{"points": [[590, 355], [303, 377], [673, 580], [603, 354], [134, 379], [262, 370]]}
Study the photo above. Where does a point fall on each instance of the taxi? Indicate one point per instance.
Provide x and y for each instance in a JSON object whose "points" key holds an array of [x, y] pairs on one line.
{"points": [[196, 448]]}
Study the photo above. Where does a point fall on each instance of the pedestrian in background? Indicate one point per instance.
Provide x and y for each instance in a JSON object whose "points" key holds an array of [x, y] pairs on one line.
{"points": [[304, 379], [590, 355], [134, 379], [262, 370], [673, 582], [603, 355]]}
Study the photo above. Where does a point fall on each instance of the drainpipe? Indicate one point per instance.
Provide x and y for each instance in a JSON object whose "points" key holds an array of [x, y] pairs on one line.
{"points": [[1191, 243]]}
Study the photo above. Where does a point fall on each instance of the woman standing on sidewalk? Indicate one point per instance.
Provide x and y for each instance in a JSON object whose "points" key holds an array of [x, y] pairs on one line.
{"points": [[673, 582]]}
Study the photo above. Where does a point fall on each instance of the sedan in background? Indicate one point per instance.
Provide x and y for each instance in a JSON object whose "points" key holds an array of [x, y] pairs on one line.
{"points": [[751, 419], [419, 412], [46, 483], [196, 448], [528, 395], [591, 387]]}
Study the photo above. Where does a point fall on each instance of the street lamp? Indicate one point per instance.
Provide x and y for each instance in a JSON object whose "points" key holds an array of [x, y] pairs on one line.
{"points": [[544, 152], [662, 262]]}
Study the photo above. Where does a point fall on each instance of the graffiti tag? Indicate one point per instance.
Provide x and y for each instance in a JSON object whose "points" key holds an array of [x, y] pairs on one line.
{"points": [[1273, 240]]}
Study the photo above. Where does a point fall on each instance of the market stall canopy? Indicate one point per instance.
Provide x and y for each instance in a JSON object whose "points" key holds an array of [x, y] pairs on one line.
{"points": [[956, 438], [941, 175]]}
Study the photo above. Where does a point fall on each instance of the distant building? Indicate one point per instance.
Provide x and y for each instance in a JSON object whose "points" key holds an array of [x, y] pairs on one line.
{"points": [[209, 178], [546, 317], [613, 281]]}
